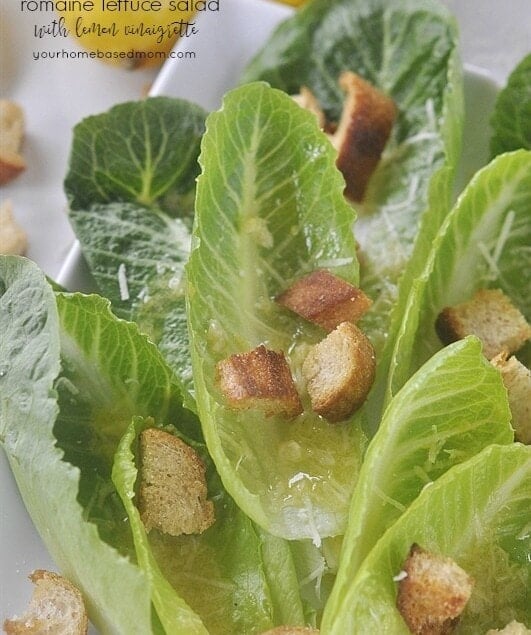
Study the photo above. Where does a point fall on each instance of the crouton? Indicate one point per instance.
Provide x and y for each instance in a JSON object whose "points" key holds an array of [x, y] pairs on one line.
{"points": [[56, 608], [489, 315], [11, 135], [13, 239], [292, 630], [364, 128], [324, 299], [513, 628], [259, 379], [517, 380], [433, 592], [339, 372], [173, 488], [306, 99]]}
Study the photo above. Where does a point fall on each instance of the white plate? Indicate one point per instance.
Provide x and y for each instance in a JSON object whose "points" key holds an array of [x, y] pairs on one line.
{"points": [[226, 43]]}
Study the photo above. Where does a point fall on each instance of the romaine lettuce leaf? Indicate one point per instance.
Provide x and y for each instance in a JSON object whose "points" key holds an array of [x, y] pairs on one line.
{"points": [[30, 367], [174, 614], [484, 242], [511, 119], [452, 408], [269, 209], [136, 256], [143, 152], [409, 50], [131, 186], [232, 593], [478, 514]]}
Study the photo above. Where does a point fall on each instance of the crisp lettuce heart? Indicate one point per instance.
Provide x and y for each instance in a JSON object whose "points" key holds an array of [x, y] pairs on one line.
{"points": [[269, 209]]}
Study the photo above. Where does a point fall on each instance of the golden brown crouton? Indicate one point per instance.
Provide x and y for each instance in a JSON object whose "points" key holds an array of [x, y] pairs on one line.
{"points": [[13, 239], [11, 134], [56, 608], [306, 99], [324, 299], [365, 126], [489, 315], [433, 592], [340, 372], [513, 628], [517, 379], [259, 379], [173, 488], [292, 630]]}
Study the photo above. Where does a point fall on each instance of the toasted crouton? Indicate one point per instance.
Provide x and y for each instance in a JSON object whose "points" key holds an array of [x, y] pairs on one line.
{"points": [[364, 128], [173, 488], [259, 379], [306, 99], [11, 135], [339, 372], [513, 628], [432, 593], [324, 299], [517, 379], [292, 630], [56, 608], [13, 239], [489, 315]]}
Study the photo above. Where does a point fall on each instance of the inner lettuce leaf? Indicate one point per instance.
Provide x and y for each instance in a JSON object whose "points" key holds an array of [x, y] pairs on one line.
{"points": [[478, 515], [269, 209], [484, 242], [451, 409], [174, 614], [30, 352], [227, 591], [131, 187], [407, 49], [77, 376], [511, 119]]}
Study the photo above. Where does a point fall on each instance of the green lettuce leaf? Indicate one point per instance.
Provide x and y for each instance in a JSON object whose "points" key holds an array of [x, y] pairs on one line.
{"points": [[484, 242], [143, 152], [136, 256], [452, 408], [269, 209], [477, 514], [131, 185], [29, 373], [511, 120], [408, 50], [219, 572], [174, 614]]}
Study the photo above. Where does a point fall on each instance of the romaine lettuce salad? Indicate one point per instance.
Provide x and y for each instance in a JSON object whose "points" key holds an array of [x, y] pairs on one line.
{"points": [[191, 224]]}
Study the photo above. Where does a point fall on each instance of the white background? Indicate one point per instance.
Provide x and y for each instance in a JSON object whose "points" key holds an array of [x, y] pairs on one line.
{"points": [[55, 96]]}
